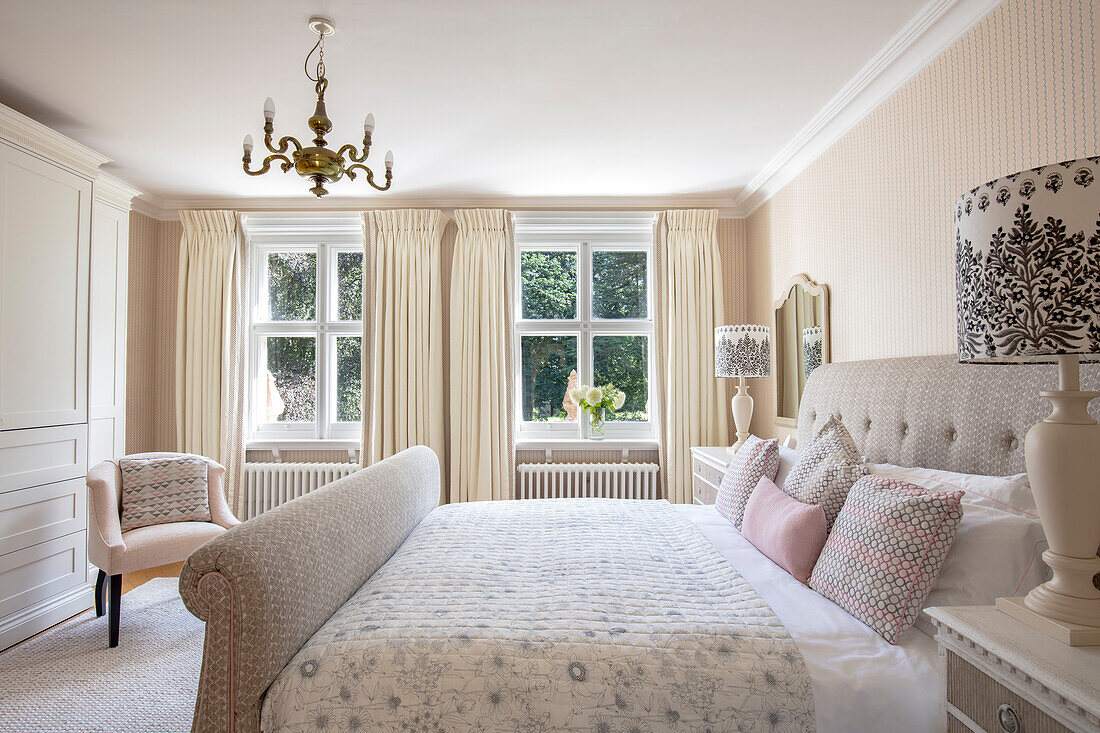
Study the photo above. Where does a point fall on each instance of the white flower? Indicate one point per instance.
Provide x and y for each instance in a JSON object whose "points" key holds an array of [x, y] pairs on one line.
{"points": [[594, 396], [620, 399], [577, 394]]}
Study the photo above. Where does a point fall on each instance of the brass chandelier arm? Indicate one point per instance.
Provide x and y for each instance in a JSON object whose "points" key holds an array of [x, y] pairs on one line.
{"points": [[284, 144], [350, 171], [286, 164], [354, 156]]}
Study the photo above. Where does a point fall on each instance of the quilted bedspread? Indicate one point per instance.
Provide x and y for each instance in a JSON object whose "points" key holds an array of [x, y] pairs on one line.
{"points": [[601, 615]]}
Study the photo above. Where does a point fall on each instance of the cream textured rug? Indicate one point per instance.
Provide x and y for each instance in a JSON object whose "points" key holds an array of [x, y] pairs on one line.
{"points": [[67, 680]]}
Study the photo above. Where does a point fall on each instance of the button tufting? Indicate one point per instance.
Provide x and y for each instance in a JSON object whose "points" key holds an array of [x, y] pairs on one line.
{"points": [[952, 435], [1013, 444], [867, 424], [905, 428]]}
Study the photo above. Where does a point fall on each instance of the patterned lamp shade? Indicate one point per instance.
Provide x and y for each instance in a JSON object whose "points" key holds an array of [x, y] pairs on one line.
{"points": [[742, 351], [811, 348], [1027, 265]]}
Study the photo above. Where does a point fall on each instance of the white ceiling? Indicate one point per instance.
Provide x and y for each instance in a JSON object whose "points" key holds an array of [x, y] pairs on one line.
{"points": [[510, 98]]}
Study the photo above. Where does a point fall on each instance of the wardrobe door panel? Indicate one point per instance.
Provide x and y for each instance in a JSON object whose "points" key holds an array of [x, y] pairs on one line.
{"points": [[107, 333], [45, 214]]}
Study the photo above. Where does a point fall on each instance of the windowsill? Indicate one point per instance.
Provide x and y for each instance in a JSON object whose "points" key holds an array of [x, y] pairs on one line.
{"points": [[275, 445], [551, 444]]}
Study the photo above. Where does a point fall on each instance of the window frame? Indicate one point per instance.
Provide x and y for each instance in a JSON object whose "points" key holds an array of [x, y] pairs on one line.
{"points": [[320, 237], [585, 234]]}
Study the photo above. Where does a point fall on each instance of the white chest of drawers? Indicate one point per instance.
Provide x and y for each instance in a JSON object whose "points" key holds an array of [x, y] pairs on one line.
{"points": [[708, 466]]}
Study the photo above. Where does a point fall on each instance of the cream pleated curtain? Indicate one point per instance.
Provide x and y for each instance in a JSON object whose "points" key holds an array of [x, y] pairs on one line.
{"points": [[210, 362], [403, 335], [690, 304], [482, 461]]}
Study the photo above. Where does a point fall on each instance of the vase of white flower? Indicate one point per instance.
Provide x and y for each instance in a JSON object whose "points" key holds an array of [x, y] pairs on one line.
{"points": [[596, 423], [596, 402]]}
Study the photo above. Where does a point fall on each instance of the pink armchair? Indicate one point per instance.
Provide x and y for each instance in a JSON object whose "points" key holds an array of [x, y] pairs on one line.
{"points": [[116, 552]]}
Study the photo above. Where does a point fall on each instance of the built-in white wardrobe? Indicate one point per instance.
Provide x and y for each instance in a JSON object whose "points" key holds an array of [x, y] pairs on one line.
{"points": [[64, 236]]}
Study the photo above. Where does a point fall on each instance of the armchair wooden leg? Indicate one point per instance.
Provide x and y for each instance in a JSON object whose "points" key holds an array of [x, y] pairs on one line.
{"points": [[100, 593], [114, 608]]}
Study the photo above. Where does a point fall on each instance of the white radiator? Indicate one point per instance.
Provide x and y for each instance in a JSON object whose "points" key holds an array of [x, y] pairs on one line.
{"points": [[574, 480], [267, 485]]}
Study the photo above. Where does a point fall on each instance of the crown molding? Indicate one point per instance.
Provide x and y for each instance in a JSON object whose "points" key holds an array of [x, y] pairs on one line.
{"points": [[113, 191], [927, 35], [49, 144], [152, 206], [165, 209]]}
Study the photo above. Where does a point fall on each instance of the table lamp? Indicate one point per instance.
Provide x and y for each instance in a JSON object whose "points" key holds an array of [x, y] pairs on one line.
{"points": [[1027, 269], [742, 351]]}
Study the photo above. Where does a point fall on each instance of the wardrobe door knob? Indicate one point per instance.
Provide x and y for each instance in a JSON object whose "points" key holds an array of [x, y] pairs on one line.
{"points": [[1009, 720]]}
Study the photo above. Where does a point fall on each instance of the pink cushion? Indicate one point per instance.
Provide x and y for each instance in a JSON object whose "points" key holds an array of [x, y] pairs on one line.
{"points": [[789, 532]]}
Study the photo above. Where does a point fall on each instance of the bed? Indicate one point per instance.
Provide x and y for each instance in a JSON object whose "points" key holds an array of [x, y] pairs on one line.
{"points": [[363, 607]]}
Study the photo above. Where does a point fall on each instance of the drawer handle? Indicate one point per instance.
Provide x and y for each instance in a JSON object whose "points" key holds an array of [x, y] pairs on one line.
{"points": [[1009, 720]]}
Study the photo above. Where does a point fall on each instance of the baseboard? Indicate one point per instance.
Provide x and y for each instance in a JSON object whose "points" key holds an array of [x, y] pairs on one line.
{"points": [[40, 616]]}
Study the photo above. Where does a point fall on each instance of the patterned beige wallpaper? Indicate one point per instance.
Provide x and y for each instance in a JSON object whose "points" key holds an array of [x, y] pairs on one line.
{"points": [[151, 337], [872, 217]]}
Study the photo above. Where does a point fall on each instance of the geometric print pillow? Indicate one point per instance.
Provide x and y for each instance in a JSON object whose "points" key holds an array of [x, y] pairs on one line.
{"points": [[885, 551], [162, 490], [826, 469], [754, 458]]}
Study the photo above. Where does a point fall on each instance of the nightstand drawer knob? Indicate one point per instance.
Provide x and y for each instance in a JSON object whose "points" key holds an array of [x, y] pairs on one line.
{"points": [[1009, 720]]}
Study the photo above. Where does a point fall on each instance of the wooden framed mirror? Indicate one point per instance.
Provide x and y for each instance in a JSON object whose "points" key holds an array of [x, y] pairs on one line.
{"points": [[802, 341]]}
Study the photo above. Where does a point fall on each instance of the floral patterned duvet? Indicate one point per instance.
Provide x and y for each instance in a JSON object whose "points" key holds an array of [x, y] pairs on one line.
{"points": [[600, 615]]}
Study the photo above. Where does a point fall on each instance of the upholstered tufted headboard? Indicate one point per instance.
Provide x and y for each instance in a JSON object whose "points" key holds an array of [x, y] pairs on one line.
{"points": [[933, 412]]}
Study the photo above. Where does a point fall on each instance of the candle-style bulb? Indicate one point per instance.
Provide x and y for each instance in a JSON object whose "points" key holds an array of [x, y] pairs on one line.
{"points": [[368, 124], [269, 109], [248, 145], [389, 160]]}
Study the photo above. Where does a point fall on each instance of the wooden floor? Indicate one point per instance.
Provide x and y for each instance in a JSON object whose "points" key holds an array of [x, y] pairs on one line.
{"points": [[129, 582], [133, 580]]}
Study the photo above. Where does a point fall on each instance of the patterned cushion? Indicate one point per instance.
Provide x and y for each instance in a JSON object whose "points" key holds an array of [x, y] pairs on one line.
{"points": [[754, 458], [826, 469], [885, 551], [162, 490]]}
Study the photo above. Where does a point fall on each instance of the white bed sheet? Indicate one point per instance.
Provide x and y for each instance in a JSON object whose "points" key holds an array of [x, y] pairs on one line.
{"points": [[861, 684]]}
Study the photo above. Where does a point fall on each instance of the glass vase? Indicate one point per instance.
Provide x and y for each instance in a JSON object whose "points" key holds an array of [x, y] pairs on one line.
{"points": [[596, 424]]}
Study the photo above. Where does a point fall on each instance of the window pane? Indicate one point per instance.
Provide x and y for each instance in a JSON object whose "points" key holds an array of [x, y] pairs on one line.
{"points": [[619, 285], [349, 273], [292, 286], [547, 362], [623, 362], [348, 378], [291, 394], [549, 284]]}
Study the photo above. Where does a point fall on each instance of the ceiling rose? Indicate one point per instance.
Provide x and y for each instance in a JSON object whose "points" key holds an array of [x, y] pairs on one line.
{"points": [[317, 163]]}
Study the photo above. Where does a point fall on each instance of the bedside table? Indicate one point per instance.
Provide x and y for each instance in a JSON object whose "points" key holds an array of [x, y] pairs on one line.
{"points": [[1000, 676], [708, 466]]}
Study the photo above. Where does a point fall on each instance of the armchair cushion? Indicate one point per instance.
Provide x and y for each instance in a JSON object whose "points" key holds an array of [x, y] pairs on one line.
{"points": [[160, 544], [163, 490]]}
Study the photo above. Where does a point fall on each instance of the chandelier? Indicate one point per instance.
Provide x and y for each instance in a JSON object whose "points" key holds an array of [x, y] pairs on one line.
{"points": [[317, 163]]}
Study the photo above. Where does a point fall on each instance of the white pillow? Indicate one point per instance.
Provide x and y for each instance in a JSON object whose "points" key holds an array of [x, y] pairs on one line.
{"points": [[787, 458], [998, 547], [999, 492]]}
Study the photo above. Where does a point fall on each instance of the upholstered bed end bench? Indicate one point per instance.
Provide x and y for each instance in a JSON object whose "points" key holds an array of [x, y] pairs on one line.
{"points": [[266, 586]]}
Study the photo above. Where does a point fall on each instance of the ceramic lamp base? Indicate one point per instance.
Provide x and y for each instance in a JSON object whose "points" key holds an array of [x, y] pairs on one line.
{"points": [[1063, 464], [1063, 631], [742, 413]]}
